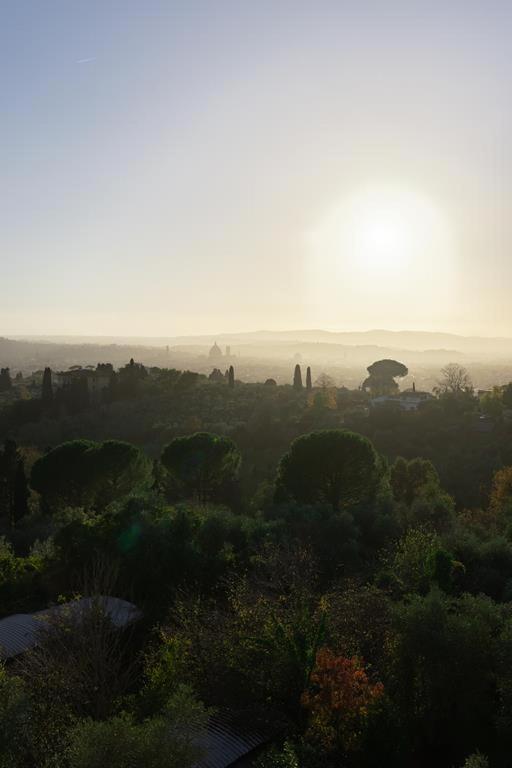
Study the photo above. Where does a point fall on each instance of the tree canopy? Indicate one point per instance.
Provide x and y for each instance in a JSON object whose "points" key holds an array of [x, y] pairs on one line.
{"points": [[383, 373], [202, 464], [410, 478], [83, 473], [336, 467]]}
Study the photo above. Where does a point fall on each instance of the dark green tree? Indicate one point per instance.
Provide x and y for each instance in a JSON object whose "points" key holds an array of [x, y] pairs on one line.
{"points": [[231, 377], [77, 396], [297, 377], [202, 465], [507, 396], [116, 468], [216, 375], [61, 476], [111, 393], [330, 466], [130, 378], [187, 381], [47, 389], [21, 493], [8, 466], [409, 479], [420, 562], [441, 678], [82, 473], [5, 380], [105, 368], [309, 383]]}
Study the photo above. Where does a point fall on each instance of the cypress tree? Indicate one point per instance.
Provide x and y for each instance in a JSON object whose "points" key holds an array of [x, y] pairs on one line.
{"points": [[231, 379], [297, 377], [47, 390], [20, 495], [309, 385]]}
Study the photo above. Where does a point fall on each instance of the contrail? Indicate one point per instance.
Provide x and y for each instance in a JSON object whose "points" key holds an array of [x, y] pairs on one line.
{"points": [[86, 61]]}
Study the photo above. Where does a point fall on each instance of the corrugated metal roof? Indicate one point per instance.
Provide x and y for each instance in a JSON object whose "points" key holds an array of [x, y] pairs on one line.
{"points": [[18, 633], [223, 744]]}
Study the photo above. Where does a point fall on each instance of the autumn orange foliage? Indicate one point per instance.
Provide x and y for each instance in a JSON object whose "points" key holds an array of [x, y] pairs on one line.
{"points": [[338, 699]]}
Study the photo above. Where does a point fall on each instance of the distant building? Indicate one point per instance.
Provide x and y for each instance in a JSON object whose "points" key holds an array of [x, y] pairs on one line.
{"points": [[215, 352], [35, 378], [97, 379], [228, 351], [410, 400]]}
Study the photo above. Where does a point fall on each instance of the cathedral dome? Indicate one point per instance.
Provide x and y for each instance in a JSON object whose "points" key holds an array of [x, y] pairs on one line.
{"points": [[215, 351]]}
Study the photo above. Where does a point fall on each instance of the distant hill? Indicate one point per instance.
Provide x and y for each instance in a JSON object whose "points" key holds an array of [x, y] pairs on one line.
{"points": [[472, 347], [28, 356], [260, 355], [254, 350], [405, 340]]}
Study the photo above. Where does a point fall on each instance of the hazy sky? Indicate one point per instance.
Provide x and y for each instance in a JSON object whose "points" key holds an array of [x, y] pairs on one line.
{"points": [[173, 167]]}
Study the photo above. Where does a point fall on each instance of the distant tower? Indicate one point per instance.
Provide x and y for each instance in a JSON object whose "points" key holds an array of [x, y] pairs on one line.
{"points": [[215, 352], [228, 351]]}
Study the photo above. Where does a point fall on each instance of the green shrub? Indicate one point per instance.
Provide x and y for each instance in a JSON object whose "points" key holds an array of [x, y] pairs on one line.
{"points": [[165, 741]]}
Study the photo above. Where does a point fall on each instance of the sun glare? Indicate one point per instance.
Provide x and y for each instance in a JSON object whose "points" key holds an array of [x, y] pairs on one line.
{"points": [[385, 228], [381, 238]]}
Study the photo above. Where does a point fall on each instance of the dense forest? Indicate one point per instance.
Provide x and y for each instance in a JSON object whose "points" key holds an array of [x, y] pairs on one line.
{"points": [[328, 567]]}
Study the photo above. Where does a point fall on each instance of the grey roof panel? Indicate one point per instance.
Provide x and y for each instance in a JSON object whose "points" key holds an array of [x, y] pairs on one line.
{"points": [[223, 745], [18, 633]]}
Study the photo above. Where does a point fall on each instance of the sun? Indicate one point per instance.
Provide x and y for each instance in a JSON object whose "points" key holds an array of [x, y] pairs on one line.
{"points": [[383, 228], [382, 239]]}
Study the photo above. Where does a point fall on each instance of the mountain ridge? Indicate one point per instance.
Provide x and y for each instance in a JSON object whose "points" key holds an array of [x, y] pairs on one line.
{"points": [[401, 340]]}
